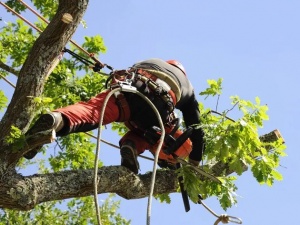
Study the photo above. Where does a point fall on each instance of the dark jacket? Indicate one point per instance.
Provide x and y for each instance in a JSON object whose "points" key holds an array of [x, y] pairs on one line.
{"points": [[143, 115]]}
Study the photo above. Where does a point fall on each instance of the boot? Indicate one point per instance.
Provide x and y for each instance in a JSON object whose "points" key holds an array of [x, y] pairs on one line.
{"points": [[52, 120], [129, 157]]}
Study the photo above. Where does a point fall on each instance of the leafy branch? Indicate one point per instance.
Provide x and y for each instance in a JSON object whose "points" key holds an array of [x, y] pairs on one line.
{"points": [[236, 144]]}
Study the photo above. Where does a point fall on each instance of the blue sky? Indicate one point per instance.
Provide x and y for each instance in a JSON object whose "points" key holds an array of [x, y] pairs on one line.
{"points": [[253, 45]]}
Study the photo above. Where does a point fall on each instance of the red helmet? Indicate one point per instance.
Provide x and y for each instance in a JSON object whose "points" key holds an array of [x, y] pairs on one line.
{"points": [[176, 64]]}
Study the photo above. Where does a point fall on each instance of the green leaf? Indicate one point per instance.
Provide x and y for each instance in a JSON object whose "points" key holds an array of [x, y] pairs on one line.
{"points": [[215, 88], [163, 198], [3, 100], [15, 138]]}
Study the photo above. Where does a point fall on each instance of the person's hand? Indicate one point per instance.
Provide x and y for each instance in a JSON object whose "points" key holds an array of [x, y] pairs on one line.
{"points": [[194, 162]]}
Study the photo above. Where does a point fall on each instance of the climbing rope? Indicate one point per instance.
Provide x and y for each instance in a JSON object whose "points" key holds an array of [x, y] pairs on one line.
{"points": [[21, 17], [96, 66], [97, 154], [161, 140], [46, 21], [224, 218]]}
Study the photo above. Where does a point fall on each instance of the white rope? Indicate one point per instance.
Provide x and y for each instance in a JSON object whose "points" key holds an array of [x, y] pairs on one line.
{"points": [[161, 140], [224, 218], [97, 154]]}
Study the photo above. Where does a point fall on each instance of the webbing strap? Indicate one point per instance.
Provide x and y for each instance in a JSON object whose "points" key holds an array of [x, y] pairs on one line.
{"points": [[124, 110]]}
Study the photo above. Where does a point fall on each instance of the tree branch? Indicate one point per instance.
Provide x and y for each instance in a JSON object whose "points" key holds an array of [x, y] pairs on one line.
{"points": [[220, 168], [8, 69], [24, 193]]}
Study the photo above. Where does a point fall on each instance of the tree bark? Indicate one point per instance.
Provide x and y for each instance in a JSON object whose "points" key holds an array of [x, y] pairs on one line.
{"points": [[23, 193], [30, 84]]}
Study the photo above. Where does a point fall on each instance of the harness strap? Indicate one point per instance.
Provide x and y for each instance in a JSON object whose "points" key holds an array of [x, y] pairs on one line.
{"points": [[171, 96], [123, 107]]}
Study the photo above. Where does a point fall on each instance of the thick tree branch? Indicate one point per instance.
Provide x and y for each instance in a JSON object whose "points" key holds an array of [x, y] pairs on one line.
{"points": [[23, 193]]}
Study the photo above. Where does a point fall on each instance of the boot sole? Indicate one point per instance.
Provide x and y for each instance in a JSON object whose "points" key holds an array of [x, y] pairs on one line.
{"points": [[45, 122]]}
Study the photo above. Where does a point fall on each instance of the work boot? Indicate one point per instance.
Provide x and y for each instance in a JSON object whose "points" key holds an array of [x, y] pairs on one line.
{"points": [[129, 157], [52, 120]]}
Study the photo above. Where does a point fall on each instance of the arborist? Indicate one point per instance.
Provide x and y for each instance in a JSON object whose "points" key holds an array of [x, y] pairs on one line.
{"points": [[165, 83]]}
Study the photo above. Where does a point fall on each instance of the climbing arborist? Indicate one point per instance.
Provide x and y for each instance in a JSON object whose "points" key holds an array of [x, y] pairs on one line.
{"points": [[165, 83]]}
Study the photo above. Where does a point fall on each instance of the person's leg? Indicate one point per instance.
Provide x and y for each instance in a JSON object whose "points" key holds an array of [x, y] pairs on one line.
{"points": [[85, 116], [131, 145], [80, 117]]}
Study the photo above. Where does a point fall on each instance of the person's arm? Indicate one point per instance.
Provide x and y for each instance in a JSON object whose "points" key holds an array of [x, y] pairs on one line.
{"points": [[191, 117]]}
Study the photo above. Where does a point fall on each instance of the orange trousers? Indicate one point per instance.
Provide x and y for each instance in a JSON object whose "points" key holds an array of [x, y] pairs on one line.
{"points": [[85, 116]]}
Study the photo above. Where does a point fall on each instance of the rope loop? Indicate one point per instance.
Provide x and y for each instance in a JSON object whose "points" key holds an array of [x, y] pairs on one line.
{"points": [[224, 218]]}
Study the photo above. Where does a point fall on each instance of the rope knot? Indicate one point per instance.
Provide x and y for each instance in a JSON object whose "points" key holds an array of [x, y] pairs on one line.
{"points": [[222, 218]]}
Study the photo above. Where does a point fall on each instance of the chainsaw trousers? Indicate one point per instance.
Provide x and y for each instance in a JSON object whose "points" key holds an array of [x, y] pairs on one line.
{"points": [[85, 116]]}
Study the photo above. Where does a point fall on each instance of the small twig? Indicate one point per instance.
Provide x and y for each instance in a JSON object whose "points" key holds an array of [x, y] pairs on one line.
{"points": [[228, 110], [222, 115], [8, 69], [217, 102]]}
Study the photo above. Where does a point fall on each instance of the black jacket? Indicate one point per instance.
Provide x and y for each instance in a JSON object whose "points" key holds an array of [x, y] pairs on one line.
{"points": [[143, 116]]}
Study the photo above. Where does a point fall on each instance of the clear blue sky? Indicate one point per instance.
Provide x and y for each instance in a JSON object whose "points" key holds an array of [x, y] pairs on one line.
{"points": [[253, 45]]}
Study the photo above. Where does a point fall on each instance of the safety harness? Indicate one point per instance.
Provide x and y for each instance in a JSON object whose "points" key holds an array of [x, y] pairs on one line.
{"points": [[158, 84]]}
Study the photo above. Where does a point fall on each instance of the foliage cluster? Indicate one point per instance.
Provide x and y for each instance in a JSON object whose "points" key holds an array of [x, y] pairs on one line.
{"points": [[235, 143]]}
